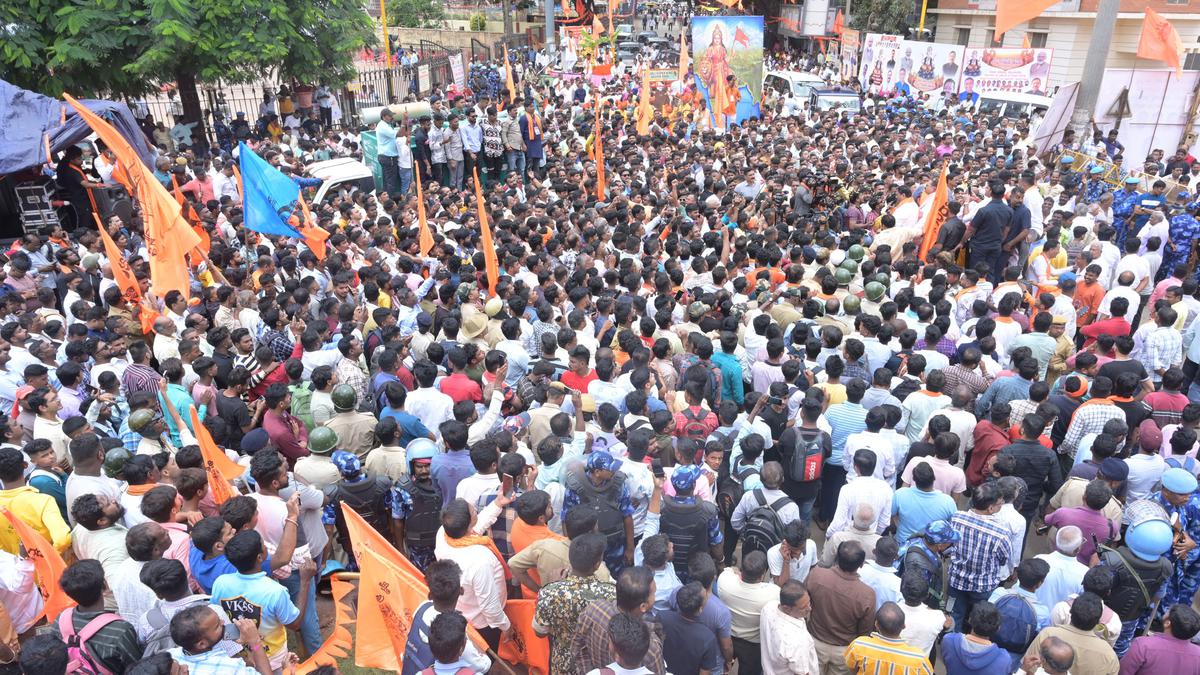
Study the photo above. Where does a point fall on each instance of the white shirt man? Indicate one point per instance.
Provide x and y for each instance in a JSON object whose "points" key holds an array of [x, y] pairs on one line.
{"points": [[484, 590], [787, 647]]}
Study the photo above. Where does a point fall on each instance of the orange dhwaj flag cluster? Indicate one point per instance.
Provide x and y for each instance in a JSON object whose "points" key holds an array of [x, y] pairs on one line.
{"points": [[168, 236], [1160, 41], [645, 111]]}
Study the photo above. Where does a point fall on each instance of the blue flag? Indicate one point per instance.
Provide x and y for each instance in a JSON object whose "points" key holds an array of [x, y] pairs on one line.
{"points": [[270, 196]]}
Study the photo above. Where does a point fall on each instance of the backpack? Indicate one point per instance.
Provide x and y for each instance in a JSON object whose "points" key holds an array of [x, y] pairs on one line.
{"points": [[79, 659], [694, 426], [763, 528], [730, 491], [808, 456], [1018, 623], [159, 638], [1189, 464], [302, 404]]}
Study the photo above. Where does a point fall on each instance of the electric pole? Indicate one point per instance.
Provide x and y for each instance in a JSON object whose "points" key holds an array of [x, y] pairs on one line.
{"points": [[1093, 67]]}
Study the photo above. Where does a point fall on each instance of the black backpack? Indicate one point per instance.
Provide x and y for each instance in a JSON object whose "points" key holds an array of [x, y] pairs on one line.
{"points": [[763, 528], [808, 456], [730, 491]]}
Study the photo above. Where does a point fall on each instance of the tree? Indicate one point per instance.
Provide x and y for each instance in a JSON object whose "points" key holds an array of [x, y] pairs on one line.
{"points": [[893, 17], [416, 13], [127, 47]]}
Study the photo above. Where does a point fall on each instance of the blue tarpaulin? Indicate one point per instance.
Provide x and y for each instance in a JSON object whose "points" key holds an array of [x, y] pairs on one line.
{"points": [[270, 196], [27, 119]]}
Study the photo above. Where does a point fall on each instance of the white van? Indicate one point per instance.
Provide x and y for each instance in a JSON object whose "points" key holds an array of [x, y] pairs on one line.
{"points": [[1013, 105], [796, 83], [342, 174]]}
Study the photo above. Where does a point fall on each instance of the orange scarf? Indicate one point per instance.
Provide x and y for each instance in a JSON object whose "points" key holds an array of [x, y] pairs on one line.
{"points": [[535, 127], [139, 490], [1092, 401], [480, 540]]}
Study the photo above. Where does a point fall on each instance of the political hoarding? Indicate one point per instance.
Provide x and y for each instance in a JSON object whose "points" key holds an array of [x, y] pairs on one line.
{"points": [[890, 63], [1024, 71]]}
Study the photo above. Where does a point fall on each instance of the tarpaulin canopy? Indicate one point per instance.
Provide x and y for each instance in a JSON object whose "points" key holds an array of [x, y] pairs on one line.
{"points": [[28, 120]]}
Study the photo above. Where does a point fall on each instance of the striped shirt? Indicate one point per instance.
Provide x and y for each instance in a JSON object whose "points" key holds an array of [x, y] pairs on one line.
{"points": [[977, 563], [115, 646], [1089, 419], [877, 654], [845, 419], [139, 377]]}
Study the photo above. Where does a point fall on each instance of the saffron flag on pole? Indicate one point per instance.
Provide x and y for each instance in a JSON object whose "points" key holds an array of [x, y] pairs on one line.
{"points": [[220, 469], [269, 197], [937, 216], [491, 265], [127, 280], [1011, 13], [838, 24], [168, 236], [48, 564], [508, 78], [598, 149], [740, 37], [425, 236], [645, 111], [314, 235], [1160, 42]]}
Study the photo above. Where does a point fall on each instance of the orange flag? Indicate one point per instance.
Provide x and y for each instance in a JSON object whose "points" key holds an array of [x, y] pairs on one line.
{"points": [[683, 55], [1025, 44], [597, 27], [610, 21], [838, 23], [937, 215], [1011, 13], [168, 237], [740, 37], [425, 238], [47, 563], [598, 148], [645, 111], [314, 235], [508, 78], [337, 645], [238, 174], [220, 469], [523, 645], [390, 589], [122, 272], [387, 598], [1160, 42], [492, 267], [175, 189], [126, 280]]}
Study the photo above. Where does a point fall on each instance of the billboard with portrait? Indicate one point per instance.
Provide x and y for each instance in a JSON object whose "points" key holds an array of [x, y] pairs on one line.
{"points": [[1023, 71], [925, 67], [724, 46]]}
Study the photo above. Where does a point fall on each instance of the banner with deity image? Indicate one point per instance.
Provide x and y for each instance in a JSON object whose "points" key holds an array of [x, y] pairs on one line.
{"points": [[727, 53]]}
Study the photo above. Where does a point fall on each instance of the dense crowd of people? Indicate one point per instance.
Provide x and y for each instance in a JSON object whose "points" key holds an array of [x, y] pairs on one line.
{"points": [[724, 407]]}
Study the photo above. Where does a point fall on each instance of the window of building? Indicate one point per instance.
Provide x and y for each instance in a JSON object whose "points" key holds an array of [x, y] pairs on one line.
{"points": [[1191, 61], [1037, 40], [991, 39], [1177, 2], [962, 36]]}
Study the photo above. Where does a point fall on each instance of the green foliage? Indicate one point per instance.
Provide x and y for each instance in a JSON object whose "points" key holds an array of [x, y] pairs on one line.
{"points": [[478, 22], [894, 17], [416, 13], [91, 47]]}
